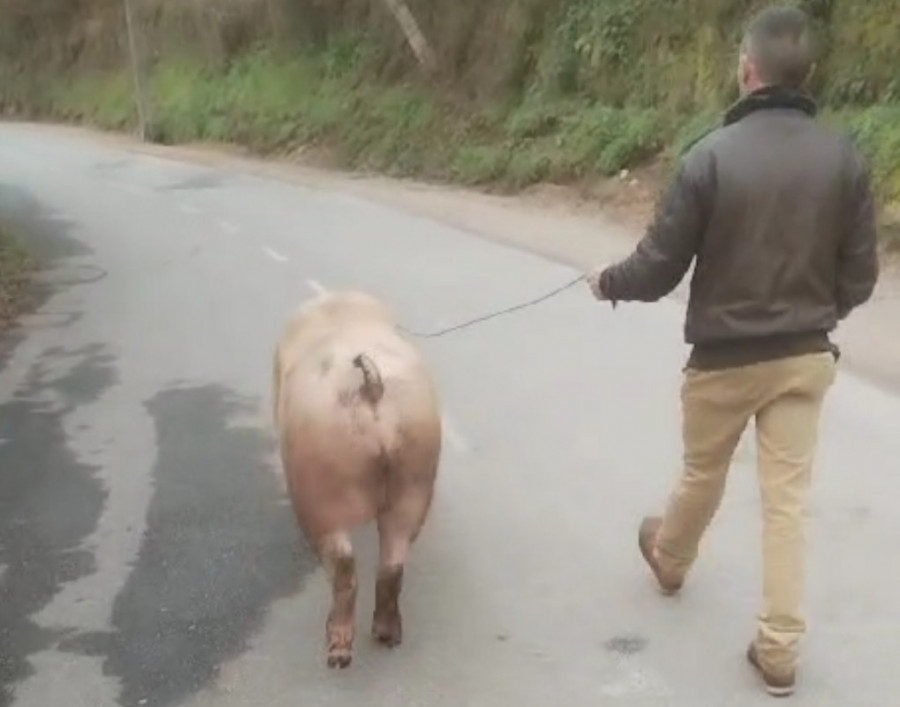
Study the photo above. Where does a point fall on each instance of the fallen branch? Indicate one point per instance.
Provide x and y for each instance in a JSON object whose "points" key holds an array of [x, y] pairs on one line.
{"points": [[417, 42]]}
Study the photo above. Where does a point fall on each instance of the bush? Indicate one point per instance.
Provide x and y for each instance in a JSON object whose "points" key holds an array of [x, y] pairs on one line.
{"points": [[877, 131]]}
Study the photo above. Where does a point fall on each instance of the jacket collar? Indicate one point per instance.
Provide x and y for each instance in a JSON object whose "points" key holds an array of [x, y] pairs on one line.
{"points": [[770, 97]]}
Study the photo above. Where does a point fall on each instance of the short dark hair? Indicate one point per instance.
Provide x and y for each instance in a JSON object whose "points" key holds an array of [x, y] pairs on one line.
{"points": [[779, 40]]}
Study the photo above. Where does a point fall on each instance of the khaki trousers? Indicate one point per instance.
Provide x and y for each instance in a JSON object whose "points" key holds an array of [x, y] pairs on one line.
{"points": [[785, 397]]}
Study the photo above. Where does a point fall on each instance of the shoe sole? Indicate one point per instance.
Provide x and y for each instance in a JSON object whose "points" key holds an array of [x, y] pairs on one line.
{"points": [[772, 690], [779, 691]]}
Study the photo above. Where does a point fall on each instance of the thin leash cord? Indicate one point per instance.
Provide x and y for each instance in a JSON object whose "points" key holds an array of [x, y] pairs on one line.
{"points": [[493, 315]]}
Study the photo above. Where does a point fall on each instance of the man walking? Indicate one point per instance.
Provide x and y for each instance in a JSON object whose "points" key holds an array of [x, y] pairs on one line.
{"points": [[779, 214]]}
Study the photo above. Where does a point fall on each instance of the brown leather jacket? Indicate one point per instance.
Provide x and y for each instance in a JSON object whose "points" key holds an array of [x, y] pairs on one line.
{"points": [[777, 212]]}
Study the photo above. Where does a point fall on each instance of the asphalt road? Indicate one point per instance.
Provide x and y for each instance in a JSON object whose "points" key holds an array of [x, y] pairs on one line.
{"points": [[148, 557]]}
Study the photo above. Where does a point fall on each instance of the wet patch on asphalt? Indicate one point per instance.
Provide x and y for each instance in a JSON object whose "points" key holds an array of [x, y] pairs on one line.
{"points": [[112, 165], [49, 234], [49, 501], [220, 547], [207, 180], [630, 644], [195, 181]]}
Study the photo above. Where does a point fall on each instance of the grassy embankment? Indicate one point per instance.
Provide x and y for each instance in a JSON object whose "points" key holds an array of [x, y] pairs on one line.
{"points": [[531, 90]]}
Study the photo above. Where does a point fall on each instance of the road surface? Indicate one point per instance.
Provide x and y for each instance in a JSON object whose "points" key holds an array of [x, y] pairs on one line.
{"points": [[147, 554]]}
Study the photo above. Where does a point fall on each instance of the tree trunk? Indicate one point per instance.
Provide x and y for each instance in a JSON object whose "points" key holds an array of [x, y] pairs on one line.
{"points": [[145, 125]]}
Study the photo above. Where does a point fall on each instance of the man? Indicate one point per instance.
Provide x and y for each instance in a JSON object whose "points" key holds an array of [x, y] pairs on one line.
{"points": [[779, 215]]}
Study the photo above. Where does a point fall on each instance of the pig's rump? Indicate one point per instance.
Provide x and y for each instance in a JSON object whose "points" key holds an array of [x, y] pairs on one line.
{"points": [[345, 457]]}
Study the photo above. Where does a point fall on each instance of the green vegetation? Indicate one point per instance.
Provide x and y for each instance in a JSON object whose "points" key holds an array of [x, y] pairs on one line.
{"points": [[530, 90], [274, 102], [15, 267]]}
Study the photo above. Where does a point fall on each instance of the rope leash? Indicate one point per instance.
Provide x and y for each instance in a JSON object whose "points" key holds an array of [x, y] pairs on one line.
{"points": [[493, 315]]}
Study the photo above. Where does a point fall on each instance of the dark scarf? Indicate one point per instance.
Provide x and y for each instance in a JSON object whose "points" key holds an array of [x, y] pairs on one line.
{"points": [[770, 97]]}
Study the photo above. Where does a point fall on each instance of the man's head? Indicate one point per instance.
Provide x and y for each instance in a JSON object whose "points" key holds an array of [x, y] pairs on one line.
{"points": [[776, 50]]}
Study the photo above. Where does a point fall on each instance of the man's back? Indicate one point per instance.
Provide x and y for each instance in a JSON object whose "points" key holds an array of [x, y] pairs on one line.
{"points": [[778, 213], [786, 205]]}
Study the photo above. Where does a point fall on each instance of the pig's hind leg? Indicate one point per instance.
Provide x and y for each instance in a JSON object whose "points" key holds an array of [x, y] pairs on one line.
{"points": [[395, 540], [336, 552], [398, 527]]}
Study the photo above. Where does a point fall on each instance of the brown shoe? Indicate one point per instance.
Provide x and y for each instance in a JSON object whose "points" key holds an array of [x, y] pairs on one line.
{"points": [[647, 542], [775, 686]]}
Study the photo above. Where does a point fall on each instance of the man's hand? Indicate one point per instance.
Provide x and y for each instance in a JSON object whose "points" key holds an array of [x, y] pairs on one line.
{"points": [[593, 280]]}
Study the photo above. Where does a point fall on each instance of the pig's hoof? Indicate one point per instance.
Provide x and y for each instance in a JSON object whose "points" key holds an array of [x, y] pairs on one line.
{"points": [[339, 658], [388, 632], [340, 645]]}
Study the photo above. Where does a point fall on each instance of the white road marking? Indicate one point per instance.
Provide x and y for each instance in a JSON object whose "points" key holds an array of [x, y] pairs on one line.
{"points": [[229, 227], [451, 432], [317, 287], [275, 255]]}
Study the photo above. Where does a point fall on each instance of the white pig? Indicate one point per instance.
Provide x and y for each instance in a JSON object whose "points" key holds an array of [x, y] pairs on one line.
{"points": [[359, 421]]}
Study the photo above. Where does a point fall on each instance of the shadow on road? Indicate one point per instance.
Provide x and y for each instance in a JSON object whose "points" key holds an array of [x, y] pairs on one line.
{"points": [[220, 547]]}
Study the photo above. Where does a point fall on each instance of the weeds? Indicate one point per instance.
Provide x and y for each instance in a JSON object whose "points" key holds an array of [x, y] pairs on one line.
{"points": [[15, 267], [877, 131]]}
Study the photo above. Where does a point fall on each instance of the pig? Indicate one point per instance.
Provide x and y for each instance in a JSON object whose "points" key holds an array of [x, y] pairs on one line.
{"points": [[358, 418]]}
